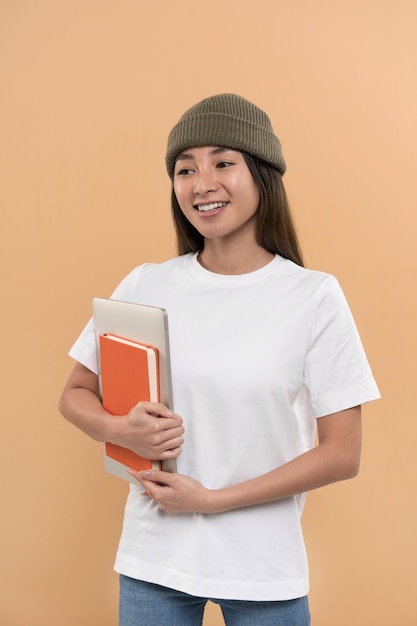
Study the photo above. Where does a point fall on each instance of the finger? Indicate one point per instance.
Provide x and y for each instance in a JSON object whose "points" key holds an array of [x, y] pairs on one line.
{"points": [[171, 453], [167, 436], [166, 440], [167, 430], [155, 476], [147, 477], [134, 474], [157, 409], [161, 439]]}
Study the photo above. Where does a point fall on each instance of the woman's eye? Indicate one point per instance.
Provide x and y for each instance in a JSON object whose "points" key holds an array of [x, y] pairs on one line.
{"points": [[183, 171], [224, 164]]}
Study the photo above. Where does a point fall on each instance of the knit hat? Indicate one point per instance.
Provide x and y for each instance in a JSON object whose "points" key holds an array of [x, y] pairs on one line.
{"points": [[229, 121]]}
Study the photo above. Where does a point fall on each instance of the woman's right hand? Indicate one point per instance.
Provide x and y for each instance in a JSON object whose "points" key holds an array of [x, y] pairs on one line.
{"points": [[151, 430]]}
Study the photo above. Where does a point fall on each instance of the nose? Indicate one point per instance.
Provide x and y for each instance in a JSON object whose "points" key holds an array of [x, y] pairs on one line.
{"points": [[204, 182]]}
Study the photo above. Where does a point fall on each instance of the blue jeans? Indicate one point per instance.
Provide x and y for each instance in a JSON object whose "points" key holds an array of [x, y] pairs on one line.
{"points": [[146, 604]]}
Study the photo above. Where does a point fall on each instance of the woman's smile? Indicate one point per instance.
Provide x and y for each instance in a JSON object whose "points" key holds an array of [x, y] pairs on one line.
{"points": [[210, 208]]}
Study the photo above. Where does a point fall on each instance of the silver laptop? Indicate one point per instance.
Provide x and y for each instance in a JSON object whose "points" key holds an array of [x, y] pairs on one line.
{"points": [[145, 324]]}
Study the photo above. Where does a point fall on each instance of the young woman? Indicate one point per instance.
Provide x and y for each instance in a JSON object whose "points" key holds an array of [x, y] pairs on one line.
{"points": [[263, 353]]}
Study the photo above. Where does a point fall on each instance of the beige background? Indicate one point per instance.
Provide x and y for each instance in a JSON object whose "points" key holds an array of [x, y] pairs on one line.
{"points": [[89, 91]]}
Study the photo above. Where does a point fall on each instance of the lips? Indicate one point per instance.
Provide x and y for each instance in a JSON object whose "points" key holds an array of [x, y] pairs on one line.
{"points": [[205, 208]]}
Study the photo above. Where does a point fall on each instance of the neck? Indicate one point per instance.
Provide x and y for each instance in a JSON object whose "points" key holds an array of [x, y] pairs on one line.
{"points": [[224, 260]]}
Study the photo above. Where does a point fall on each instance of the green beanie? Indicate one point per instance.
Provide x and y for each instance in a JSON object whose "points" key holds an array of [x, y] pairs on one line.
{"points": [[229, 121]]}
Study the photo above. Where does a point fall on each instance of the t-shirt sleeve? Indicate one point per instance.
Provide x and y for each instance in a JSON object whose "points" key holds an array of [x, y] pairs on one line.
{"points": [[84, 349], [336, 373]]}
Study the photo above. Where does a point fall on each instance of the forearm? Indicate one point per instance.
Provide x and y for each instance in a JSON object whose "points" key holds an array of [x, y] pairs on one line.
{"points": [[337, 457], [316, 468], [83, 408]]}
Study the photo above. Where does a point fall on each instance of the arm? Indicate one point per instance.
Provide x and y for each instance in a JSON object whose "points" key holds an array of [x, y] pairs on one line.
{"points": [[336, 457], [141, 430]]}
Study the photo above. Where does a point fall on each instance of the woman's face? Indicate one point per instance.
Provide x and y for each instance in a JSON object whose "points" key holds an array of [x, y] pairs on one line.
{"points": [[216, 192]]}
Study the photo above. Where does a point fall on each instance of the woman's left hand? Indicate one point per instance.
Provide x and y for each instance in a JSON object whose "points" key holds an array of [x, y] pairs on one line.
{"points": [[174, 493]]}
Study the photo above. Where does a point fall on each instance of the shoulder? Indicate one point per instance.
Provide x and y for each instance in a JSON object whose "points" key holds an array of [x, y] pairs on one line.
{"points": [[310, 279], [315, 291], [149, 274], [164, 267]]}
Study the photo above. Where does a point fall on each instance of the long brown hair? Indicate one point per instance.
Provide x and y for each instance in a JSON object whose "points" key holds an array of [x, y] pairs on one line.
{"points": [[275, 230]]}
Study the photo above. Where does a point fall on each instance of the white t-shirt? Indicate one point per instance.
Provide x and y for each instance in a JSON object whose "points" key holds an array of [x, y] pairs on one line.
{"points": [[256, 358]]}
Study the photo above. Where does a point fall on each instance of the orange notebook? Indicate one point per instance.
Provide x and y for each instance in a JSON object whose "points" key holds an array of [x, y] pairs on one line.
{"points": [[129, 374]]}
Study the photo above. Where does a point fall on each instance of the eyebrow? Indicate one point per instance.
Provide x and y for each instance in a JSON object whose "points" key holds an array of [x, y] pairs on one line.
{"points": [[183, 156]]}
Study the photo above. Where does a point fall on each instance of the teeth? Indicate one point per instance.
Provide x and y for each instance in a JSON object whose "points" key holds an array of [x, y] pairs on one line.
{"points": [[210, 207]]}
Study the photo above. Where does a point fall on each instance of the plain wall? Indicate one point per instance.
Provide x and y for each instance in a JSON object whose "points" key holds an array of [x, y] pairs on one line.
{"points": [[89, 92]]}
